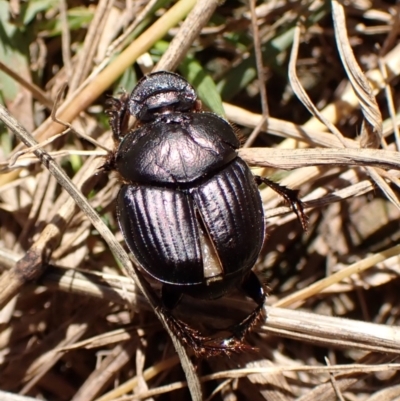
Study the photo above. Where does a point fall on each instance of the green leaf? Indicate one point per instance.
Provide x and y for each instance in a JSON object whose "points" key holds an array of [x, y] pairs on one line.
{"points": [[197, 76], [127, 81], [30, 9], [239, 77], [77, 18], [203, 83], [14, 51]]}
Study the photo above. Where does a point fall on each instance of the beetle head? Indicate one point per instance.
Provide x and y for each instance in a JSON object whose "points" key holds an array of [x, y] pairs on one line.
{"points": [[159, 93]]}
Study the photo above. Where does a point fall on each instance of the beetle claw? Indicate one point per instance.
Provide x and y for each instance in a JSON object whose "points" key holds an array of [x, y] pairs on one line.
{"points": [[226, 346], [189, 336], [206, 346]]}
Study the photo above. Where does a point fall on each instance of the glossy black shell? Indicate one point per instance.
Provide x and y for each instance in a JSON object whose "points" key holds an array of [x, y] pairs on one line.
{"points": [[161, 224], [183, 177], [177, 148], [185, 185]]}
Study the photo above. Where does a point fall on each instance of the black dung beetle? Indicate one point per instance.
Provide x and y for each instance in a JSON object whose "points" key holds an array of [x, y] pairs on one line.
{"points": [[189, 207]]}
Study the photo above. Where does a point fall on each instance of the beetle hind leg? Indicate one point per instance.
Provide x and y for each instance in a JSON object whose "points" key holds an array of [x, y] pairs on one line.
{"points": [[203, 346], [170, 298], [252, 287], [290, 196], [187, 335], [206, 346]]}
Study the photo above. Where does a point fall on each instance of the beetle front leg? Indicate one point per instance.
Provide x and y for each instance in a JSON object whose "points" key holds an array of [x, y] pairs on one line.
{"points": [[118, 115], [290, 196]]}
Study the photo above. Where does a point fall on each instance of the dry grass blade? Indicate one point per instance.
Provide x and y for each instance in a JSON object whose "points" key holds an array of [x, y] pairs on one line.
{"points": [[387, 394], [131, 384], [390, 102], [100, 377], [337, 332], [326, 392], [190, 29], [298, 88], [36, 91], [304, 98], [348, 102], [305, 133], [334, 384], [357, 78], [87, 54], [383, 185], [288, 159], [14, 397], [319, 286]]}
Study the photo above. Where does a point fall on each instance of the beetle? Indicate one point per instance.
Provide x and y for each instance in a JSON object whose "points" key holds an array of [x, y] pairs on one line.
{"points": [[189, 208]]}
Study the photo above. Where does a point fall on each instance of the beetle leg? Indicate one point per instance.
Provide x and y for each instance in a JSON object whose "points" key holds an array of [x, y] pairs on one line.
{"points": [[252, 287], [189, 336], [206, 346], [234, 343], [118, 115], [186, 334], [290, 196], [170, 297], [202, 345]]}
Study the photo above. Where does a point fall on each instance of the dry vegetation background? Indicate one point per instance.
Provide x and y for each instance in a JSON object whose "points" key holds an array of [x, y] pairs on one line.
{"points": [[74, 326]]}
